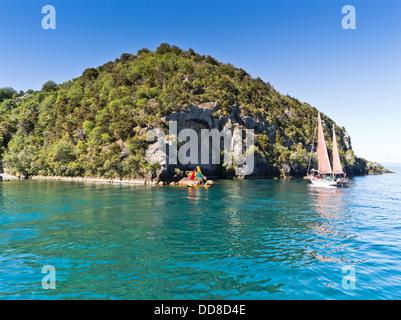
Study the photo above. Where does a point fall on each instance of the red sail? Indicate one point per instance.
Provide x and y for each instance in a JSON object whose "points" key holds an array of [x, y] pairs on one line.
{"points": [[337, 168], [324, 162], [192, 175]]}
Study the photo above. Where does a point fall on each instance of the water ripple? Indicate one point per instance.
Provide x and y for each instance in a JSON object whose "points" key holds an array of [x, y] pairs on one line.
{"points": [[238, 240]]}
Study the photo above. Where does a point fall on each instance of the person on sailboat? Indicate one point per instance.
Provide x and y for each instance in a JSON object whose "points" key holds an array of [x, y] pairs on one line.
{"points": [[201, 181]]}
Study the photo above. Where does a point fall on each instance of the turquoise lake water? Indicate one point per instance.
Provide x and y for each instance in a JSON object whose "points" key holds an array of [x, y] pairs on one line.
{"points": [[249, 239]]}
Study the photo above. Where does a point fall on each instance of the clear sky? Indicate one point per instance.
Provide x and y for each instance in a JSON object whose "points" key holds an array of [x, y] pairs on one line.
{"points": [[300, 47]]}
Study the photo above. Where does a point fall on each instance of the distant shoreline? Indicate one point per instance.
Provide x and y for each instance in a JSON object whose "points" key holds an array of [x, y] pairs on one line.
{"points": [[94, 179], [80, 179]]}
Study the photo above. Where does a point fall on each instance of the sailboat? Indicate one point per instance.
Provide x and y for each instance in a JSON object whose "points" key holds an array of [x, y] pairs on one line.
{"points": [[200, 183], [325, 175]]}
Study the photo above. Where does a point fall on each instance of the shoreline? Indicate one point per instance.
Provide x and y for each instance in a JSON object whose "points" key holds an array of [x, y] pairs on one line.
{"points": [[8, 177], [94, 179], [183, 182]]}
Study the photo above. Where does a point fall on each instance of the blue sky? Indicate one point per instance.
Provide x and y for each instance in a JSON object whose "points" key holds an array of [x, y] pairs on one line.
{"points": [[300, 47]]}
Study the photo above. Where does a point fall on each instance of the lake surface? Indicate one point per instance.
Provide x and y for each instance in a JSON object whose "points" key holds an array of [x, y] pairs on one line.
{"points": [[249, 239]]}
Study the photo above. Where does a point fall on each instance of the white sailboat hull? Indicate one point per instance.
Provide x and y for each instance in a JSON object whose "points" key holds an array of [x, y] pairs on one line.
{"points": [[328, 182]]}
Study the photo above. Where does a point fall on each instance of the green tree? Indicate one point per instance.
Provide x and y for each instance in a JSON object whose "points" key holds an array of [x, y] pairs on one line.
{"points": [[6, 93], [88, 126], [163, 48], [90, 74], [49, 86], [8, 105]]}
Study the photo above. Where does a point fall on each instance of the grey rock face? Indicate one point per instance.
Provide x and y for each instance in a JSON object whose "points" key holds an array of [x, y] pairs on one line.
{"points": [[199, 118]]}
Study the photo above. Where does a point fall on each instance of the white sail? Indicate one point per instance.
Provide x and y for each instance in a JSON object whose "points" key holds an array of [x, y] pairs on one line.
{"points": [[337, 167]]}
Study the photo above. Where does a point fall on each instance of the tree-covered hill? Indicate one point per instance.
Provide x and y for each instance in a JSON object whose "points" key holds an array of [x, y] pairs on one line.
{"points": [[95, 124]]}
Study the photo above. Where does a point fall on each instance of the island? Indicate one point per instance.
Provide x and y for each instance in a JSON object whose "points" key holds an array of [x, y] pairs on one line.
{"points": [[94, 127]]}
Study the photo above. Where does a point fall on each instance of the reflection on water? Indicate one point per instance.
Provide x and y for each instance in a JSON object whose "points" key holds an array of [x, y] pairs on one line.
{"points": [[259, 239], [332, 227], [328, 201]]}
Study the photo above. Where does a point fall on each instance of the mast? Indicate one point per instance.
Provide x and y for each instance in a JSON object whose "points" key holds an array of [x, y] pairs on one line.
{"points": [[311, 152], [337, 168], [323, 156]]}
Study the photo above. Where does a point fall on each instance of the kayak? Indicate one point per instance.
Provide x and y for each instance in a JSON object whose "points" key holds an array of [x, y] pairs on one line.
{"points": [[195, 186]]}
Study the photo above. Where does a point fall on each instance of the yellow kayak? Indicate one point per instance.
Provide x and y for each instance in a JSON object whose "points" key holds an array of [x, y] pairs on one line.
{"points": [[196, 186]]}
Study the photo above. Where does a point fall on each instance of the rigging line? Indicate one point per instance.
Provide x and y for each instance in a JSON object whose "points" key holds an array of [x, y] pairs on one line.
{"points": [[313, 143]]}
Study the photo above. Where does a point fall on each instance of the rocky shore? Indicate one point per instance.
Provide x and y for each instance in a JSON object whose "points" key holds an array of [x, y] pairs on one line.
{"points": [[94, 179], [8, 177], [164, 177]]}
